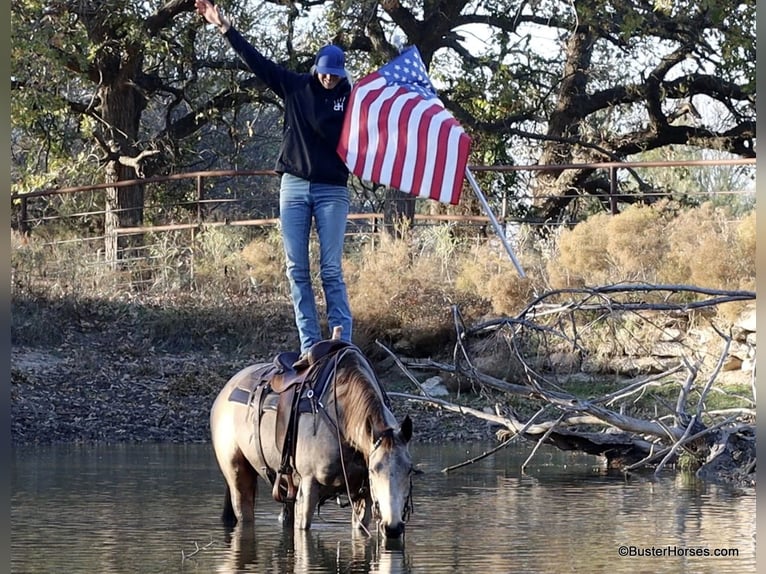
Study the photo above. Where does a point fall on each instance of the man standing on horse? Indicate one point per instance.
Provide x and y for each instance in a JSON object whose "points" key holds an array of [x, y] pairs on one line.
{"points": [[314, 177]]}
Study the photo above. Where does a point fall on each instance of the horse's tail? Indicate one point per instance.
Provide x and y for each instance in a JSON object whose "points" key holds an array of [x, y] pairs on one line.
{"points": [[228, 517]]}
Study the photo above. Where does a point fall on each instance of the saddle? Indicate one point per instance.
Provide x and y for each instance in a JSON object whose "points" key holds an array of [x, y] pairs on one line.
{"points": [[291, 385]]}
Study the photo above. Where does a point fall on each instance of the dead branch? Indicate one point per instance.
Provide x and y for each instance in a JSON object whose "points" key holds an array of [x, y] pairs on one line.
{"points": [[639, 386], [673, 449], [403, 369], [197, 550], [541, 441], [656, 456], [633, 425], [504, 444]]}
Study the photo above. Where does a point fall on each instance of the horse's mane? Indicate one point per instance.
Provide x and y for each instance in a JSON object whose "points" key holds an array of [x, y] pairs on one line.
{"points": [[360, 400]]}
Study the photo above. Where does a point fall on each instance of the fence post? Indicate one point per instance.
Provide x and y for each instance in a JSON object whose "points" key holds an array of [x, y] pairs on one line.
{"points": [[613, 189], [200, 193], [23, 223], [200, 198]]}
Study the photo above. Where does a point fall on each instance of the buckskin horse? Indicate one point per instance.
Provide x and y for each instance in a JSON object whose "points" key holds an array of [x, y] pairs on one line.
{"points": [[315, 428]]}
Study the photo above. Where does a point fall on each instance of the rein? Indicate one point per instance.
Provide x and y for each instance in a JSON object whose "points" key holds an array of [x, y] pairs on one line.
{"points": [[336, 360], [388, 433]]}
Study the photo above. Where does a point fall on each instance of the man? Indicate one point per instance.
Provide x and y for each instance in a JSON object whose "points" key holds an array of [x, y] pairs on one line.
{"points": [[314, 177]]}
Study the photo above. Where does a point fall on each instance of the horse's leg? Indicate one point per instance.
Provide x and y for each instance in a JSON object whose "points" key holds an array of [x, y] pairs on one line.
{"points": [[287, 515], [361, 512], [241, 487], [229, 517], [306, 502]]}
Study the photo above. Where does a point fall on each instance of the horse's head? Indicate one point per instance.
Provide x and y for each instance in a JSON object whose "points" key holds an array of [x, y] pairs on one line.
{"points": [[390, 471]]}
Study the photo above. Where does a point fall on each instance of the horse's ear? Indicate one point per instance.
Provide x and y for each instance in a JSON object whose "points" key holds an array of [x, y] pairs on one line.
{"points": [[406, 429]]}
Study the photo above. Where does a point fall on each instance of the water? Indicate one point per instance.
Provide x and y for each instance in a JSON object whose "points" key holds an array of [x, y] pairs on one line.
{"points": [[156, 508]]}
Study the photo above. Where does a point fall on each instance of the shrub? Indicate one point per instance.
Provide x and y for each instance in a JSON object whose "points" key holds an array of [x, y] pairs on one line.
{"points": [[636, 244], [581, 257], [489, 273], [707, 250], [264, 259], [700, 246], [399, 290]]}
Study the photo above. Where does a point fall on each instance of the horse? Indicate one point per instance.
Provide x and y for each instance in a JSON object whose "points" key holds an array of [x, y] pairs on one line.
{"points": [[316, 429]]}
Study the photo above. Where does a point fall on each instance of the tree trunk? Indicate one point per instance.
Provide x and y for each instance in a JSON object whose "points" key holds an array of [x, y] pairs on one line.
{"points": [[124, 208], [555, 189], [121, 108], [398, 212]]}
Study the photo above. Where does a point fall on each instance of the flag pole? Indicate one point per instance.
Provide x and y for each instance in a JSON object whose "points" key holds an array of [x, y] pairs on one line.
{"points": [[493, 219]]}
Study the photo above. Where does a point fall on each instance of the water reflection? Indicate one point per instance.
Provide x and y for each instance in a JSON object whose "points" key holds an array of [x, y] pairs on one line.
{"points": [[308, 552], [156, 508]]}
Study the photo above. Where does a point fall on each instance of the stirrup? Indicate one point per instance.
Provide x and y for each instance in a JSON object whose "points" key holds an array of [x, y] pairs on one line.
{"points": [[284, 490]]}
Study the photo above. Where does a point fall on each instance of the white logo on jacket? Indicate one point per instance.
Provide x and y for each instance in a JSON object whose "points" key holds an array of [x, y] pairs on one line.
{"points": [[339, 104]]}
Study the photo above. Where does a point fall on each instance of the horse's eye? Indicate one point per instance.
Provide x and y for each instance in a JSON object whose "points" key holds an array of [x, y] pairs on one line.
{"points": [[376, 468]]}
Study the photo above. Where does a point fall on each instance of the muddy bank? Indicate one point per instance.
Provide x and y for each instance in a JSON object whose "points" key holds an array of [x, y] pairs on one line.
{"points": [[92, 394]]}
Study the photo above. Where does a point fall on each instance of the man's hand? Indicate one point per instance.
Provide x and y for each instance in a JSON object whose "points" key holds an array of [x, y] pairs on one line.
{"points": [[210, 12]]}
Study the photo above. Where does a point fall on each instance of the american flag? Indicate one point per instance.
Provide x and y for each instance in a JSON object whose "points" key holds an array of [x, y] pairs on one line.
{"points": [[397, 132]]}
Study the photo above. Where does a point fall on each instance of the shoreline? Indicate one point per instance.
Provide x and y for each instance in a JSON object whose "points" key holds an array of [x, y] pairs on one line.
{"points": [[65, 398]]}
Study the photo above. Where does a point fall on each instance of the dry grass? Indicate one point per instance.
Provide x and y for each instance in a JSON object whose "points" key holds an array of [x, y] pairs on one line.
{"points": [[488, 273], [400, 291], [702, 246]]}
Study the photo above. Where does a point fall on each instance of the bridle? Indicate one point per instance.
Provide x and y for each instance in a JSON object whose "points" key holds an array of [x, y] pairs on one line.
{"points": [[409, 506], [389, 432]]}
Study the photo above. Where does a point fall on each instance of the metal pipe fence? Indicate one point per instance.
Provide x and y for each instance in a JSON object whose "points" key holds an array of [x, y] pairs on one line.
{"points": [[175, 213]]}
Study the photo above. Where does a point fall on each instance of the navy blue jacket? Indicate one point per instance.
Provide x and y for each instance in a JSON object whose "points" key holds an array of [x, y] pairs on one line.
{"points": [[313, 116]]}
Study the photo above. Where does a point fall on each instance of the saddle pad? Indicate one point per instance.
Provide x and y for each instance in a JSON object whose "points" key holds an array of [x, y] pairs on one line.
{"points": [[243, 392], [240, 395]]}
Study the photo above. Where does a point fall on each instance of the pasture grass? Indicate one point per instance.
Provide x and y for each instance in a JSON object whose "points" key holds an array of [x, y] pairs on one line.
{"points": [[226, 286]]}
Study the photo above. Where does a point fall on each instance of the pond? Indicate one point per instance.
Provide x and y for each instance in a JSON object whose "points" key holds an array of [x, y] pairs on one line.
{"points": [[156, 508]]}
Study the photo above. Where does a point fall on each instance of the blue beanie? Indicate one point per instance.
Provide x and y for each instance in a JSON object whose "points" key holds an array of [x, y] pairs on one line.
{"points": [[330, 60]]}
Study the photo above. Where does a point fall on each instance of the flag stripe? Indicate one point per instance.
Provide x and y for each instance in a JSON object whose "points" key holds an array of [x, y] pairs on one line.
{"points": [[383, 129], [417, 127], [400, 165], [400, 108], [396, 132], [351, 146]]}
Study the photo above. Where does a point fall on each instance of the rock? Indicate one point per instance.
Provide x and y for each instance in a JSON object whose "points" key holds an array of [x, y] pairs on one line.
{"points": [[671, 334], [434, 386], [748, 365], [669, 349], [732, 363], [746, 320], [741, 351]]}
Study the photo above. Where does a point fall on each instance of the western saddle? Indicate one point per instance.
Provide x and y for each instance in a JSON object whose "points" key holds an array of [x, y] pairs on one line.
{"points": [[290, 385]]}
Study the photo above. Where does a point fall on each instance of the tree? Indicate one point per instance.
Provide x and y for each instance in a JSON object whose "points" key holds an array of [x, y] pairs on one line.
{"points": [[145, 87], [116, 79]]}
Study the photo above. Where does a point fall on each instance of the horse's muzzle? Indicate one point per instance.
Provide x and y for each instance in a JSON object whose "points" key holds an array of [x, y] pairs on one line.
{"points": [[393, 530]]}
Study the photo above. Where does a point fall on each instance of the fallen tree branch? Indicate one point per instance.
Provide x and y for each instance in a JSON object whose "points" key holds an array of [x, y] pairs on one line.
{"points": [[638, 386], [504, 444], [651, 458], [673, 449], [403, 369], [613, 330], [545, 436]]}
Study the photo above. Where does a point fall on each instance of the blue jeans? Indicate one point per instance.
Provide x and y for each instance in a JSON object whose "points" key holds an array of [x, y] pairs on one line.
{"points": [[300, 201]]}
